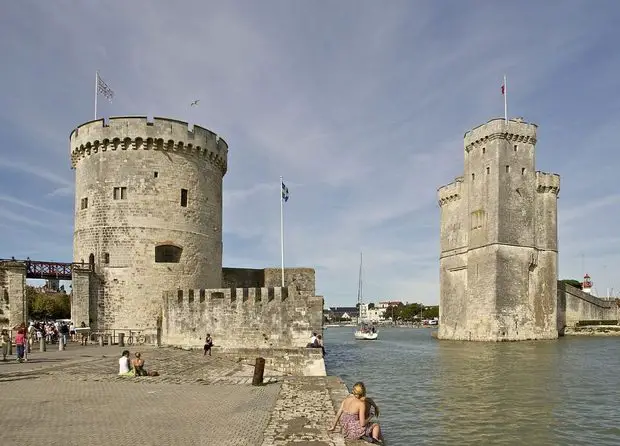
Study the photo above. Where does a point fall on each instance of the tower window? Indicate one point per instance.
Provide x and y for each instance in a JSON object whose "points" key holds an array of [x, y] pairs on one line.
{"points": [[180, 296], [190, 297], [184, 198], [523, 171], [484, 150], [515, 147], [155, 174], [473, 176], [488, 170], [507, 169], [106, 257], [84, 203], [120, 193], [168, 254]]}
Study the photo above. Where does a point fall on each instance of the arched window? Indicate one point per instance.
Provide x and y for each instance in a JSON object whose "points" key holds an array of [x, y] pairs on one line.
{"points": [[168, 254], [91, 261]]}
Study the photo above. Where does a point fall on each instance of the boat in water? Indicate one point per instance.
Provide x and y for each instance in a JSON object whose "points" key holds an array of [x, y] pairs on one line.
{"points": [[364, 332]]}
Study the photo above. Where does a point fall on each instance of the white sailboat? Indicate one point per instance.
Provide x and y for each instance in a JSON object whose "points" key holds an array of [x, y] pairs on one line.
{"points": [[363, 331]]}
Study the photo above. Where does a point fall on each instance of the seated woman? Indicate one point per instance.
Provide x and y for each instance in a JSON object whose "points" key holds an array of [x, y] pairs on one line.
{"points": [[354, 416], [138, 365]]}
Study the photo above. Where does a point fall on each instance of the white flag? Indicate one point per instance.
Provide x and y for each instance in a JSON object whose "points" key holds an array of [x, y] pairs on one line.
{"points": [[103, 89]]}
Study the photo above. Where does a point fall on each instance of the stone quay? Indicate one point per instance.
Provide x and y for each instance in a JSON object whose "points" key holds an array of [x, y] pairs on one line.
{"points": [[75, 397]]}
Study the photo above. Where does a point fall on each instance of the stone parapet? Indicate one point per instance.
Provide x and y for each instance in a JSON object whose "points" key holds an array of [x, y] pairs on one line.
{"points": [[498, 128], [266, 317], [547, 182], [450, 192], [138, 133]]}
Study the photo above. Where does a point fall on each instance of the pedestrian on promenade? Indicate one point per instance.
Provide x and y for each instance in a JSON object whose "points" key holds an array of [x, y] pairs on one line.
{"points": [[138, 366], [5, 339], [354, 418], [20, 338], [208, 345]]}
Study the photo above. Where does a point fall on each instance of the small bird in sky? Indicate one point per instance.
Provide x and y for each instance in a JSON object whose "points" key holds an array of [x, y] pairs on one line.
{"points": [[194, 102]]}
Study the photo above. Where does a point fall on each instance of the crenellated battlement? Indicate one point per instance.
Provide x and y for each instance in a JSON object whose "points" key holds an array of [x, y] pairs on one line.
{"points": [[547, 182], [226, 296], [260, 317], [515, 130], [450, 192], [138, 133]]}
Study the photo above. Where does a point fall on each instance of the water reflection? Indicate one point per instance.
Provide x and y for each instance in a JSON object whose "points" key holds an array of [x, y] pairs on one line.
{"points": [[441, 392]]}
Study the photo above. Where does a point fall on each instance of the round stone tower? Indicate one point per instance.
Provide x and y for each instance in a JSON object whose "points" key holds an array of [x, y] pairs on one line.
{"points": [[148, 214]]}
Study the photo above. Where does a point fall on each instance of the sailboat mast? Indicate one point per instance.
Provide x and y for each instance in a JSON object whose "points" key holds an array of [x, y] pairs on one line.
{"points": [[359, 293]]}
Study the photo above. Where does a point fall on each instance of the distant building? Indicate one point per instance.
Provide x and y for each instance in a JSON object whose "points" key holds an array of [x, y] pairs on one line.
{"points": [[336, 314], [389, 303]]}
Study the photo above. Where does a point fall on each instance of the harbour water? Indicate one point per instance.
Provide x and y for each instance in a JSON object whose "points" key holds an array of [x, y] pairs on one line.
{"points": [[564, 392]]}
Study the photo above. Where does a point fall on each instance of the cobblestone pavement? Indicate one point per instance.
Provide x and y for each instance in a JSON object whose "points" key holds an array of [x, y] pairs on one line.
{"points": [[75, 397], [94, 363], [114, 413], [303, 414]]}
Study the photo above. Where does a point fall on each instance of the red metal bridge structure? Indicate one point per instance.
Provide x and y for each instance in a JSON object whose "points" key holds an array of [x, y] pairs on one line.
{"points": [[37, 269]]}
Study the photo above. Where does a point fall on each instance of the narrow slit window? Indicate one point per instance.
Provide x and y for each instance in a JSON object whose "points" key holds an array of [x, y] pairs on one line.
{"points": [[473, 176], [523, 171], [507, 169], [106, 258], [155, 174], [190, 297], [515, 147], [488, 170], [84, 203], [184, 198], [484, 150]]}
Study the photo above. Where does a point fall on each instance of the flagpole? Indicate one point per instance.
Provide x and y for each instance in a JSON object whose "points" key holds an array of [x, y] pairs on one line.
{"points": [[96, 79], [505, 100], [282, 227]]}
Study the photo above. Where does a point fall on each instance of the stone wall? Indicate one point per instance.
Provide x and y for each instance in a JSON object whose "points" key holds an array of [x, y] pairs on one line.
{"points": [[287, 361], [574, 305], [266, 317], [303, 279], [14, 289], [4, 299], [143, 187], [498, 261]]}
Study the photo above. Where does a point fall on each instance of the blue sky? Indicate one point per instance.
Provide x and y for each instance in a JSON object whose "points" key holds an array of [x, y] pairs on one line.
{"points": [[360, 105]]}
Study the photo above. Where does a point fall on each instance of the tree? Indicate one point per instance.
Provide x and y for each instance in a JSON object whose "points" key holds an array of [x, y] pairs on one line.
{"points": [[572, 282], [430, 312], [47, 305]]}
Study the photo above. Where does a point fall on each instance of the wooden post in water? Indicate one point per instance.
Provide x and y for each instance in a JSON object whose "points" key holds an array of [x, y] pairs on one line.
{"points": [[259, 371]]}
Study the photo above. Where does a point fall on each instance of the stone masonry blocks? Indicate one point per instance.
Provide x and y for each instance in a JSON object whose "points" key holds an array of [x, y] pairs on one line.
{"points": [[498, 262], [140, 187]]}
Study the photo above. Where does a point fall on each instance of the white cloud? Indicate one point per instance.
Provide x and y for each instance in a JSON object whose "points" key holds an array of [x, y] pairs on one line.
{"points": [[360, 106]]}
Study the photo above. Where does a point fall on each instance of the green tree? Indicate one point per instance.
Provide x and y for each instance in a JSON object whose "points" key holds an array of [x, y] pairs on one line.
{"points": [[430, 312], [47, 305], [572, 282]]}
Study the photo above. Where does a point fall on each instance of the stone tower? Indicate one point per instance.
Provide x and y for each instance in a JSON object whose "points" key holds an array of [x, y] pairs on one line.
{"points": [[498, 263], [148, 215]]}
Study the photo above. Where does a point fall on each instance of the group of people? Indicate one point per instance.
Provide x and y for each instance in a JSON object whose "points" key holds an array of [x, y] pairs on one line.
{"points": [[133, 367], [316, 341]]}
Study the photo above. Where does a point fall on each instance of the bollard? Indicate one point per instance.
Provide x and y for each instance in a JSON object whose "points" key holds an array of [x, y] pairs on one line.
{"points": [[42, 346], [121, 339], [61, 345], [10, 347], [110, 340], [100, 340], [259, 371]]}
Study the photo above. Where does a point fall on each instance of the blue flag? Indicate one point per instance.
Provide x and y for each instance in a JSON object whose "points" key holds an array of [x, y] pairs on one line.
{"points": [[284, 193]]}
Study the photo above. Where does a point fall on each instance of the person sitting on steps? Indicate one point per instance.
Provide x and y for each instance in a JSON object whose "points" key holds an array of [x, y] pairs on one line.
{"points": [[354, 416]]}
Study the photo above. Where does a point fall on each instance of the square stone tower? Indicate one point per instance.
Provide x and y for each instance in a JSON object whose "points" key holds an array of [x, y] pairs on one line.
{"points": [[498, 263]]}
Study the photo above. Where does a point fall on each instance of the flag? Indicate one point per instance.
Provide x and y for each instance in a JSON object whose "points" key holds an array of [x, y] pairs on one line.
{"points": [[284, 192], [103, 89], [504, 89]]}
